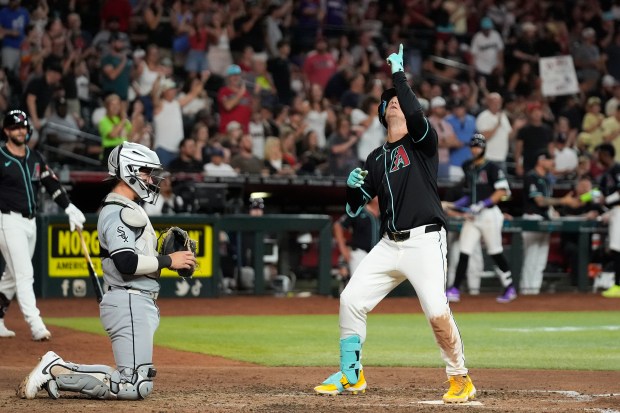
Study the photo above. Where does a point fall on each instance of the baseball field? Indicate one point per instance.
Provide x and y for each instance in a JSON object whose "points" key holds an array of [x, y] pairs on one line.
{"points": [[548, 353]]}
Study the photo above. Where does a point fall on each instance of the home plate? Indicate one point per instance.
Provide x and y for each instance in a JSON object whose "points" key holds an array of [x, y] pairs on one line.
{"points": [[471, 403]]}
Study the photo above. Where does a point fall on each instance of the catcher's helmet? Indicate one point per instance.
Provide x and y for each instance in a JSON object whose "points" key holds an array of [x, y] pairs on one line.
{"points": [[478, 140], [386, 96], [17, 117], [134, 164]]}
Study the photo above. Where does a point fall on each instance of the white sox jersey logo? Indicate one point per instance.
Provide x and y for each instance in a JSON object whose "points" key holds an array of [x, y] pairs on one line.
{"points": [[400, 159], [121, 234]]}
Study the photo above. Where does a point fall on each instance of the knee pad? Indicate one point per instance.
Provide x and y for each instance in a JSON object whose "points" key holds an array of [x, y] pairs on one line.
{"points": [[350, 353], [140, 386]]}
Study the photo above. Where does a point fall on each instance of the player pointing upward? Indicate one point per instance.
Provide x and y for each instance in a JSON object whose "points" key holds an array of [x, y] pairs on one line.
{"points": [[403, 174]]}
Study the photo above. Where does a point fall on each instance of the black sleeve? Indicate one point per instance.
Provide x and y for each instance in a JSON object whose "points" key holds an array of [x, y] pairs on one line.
{"points": [[417, 124], [52, 184], [126, 262]]}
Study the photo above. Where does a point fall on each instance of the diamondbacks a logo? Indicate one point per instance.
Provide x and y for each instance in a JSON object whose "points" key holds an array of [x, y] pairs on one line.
{"points": [[400, 159]]}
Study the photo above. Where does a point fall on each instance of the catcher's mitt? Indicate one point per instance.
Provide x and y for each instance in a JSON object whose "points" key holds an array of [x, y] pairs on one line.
{"points": [[175, 239]]}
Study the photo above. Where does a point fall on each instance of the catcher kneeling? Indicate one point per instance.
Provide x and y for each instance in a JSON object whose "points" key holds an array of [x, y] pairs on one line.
{"points": [[131, 268]]}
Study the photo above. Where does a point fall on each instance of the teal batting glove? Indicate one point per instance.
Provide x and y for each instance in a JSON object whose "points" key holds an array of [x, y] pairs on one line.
{"points": [[395, 60], [356, 178]]}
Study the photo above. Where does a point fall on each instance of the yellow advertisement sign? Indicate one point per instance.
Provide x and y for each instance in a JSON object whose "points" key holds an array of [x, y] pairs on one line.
{"points": [[65, 257]]}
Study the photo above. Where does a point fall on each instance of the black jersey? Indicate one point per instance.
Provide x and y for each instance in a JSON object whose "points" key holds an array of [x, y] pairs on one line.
{"points": [[365, 227], [534, 186], [610, 181], [481, 181], [403, 174], [20, 180]]}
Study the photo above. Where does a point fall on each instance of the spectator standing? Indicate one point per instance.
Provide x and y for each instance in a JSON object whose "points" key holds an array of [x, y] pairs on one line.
{"points": [[115, 127], [116, 69], [319, 65], [566, 159], [196, 61], [159, 30], [147, 72], [14, 20], [249, 29], [120, 9], [588, 61], [532, 138], [221, 30], [168, 117], [611, 131], [342, 147], [313, 159], [538, 205], [487, 49], [234, 100], [464, 126], [40, 92], [592, 125], [280, 68], [368, 123], [495, 126], [318, 113], [101, 41], [445, 133]]}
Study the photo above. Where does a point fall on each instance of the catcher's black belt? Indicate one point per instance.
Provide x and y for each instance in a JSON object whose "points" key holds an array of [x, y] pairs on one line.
{"points": [[404, 235], [148, 294]]}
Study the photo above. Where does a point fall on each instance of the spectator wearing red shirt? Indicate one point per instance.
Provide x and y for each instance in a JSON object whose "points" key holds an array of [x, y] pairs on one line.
{"points": [[320, 65], [120, 9], [234, 101]]}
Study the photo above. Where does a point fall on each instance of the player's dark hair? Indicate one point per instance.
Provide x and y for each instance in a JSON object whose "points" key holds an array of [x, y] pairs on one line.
{"points": [[607, 148]]}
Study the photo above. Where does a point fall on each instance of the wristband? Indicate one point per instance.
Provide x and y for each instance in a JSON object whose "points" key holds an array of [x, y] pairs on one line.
{"points": [[462, 202], [488, 203], [610, 199]]}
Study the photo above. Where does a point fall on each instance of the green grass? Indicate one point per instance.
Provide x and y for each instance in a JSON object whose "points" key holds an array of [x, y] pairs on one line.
{"points": [[555, 340]]}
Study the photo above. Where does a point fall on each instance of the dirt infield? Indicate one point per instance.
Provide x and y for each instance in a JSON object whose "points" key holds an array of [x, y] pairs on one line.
{"points": [[188, 382]]}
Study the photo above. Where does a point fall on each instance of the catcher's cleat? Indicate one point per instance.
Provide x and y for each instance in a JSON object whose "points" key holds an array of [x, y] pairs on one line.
{"points": [[5, 332], [38, 377], [461, 390], [337, 383]]}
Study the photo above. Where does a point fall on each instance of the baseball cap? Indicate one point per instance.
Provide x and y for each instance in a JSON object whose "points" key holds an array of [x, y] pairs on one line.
{"points": [[486, 23], [593, 100], [609, 80], [168, 84], [543, 153], [528, 27], [232, 125], [217, 152], [531, 106], [233, 70], [438, 102]]}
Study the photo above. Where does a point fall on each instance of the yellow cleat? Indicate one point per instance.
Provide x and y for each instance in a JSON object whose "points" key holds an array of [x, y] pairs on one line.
{"points": [[612, 292], [461, 390], [337, 383]]}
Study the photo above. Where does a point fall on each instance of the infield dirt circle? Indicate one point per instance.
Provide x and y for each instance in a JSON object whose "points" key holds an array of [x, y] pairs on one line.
{"points": [[189, 382]]}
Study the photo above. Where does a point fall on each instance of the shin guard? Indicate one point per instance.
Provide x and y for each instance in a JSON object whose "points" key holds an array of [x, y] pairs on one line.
{"points": [[350, 354]]}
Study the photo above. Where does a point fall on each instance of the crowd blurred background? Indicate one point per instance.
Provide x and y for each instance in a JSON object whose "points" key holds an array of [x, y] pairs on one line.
{"points": [[282, 87]]}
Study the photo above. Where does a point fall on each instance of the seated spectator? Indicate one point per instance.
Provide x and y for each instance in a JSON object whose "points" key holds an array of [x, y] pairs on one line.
{"points": [[611, 131], [217, 166], [62, 129], [167, 203], [592, 125], [245, 162], [274, 160], [185, 161], [313, 159]]}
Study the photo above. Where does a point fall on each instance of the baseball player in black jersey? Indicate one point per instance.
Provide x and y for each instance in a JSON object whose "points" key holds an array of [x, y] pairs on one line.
{"points": [[538, 206], [22, 172], [485, 185], [403, 174], [610, 185]]}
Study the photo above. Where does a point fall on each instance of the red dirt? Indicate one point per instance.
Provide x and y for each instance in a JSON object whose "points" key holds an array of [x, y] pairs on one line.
{"points": [[189, 382]]}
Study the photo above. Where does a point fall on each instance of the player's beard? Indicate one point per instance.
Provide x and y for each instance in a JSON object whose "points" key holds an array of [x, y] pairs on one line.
{"points": [[18, 141]]}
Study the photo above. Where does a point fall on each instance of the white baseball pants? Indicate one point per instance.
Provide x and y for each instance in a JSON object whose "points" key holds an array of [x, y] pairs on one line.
{"points": [[535, 253], [421, 259], [614, 229]]}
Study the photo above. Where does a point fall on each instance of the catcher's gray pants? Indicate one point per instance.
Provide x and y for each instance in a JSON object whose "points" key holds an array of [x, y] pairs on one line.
{"points": [[130, 320]]}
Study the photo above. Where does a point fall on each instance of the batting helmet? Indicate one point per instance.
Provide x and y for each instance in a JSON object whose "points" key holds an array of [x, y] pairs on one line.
{"points": [[386, 96], [129, 161], [15, 118]]}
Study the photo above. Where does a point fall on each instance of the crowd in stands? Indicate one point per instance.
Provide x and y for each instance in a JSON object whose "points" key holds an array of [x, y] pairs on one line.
{"points": [[283, 87]]}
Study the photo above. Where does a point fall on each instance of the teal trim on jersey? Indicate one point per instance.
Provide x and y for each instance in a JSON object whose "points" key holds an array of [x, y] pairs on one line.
{"points": [[352, 214], [366, 196], [387, 178], [425, 133], [380, 155], [27, 181]]}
